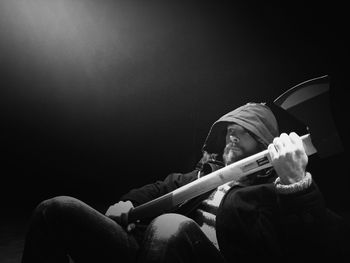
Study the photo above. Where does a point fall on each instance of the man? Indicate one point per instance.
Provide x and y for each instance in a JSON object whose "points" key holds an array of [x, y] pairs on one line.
{"points": [[266, 215]]}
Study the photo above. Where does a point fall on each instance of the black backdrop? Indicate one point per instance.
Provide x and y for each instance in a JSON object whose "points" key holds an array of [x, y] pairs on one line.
{"points": [[101, 96]]}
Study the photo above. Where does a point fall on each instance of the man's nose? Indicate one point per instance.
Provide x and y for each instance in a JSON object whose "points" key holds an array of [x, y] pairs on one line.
{"points": [[234, 139]]}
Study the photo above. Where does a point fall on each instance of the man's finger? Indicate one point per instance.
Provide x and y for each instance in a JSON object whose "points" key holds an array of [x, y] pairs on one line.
{"points": [[124, 219], [286, 141], [296, 140], [130, 227], [273, 152], [278, 145]]}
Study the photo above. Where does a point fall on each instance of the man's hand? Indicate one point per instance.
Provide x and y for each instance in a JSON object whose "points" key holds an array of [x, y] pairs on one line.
{"points": [[288, 157], [119, 213]]}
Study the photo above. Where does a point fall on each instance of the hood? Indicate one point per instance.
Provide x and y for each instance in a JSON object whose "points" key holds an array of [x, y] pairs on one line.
{"points": [[257, 118]]}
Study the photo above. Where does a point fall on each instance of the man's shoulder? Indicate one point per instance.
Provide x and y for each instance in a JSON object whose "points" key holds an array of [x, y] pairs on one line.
{"points": [[186, 177]]}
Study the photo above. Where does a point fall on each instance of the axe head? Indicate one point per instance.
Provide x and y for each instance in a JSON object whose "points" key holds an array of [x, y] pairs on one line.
{"points": [[306, 106]]}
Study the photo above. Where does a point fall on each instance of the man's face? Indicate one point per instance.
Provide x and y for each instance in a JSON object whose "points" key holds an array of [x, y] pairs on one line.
{"points": [[239, 144]]}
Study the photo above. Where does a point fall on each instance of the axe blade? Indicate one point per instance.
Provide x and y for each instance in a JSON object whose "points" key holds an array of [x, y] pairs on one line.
{"points": [[309, 102]]}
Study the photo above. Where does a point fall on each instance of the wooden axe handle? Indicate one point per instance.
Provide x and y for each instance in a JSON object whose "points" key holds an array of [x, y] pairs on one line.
{"points": [[209, 182]]}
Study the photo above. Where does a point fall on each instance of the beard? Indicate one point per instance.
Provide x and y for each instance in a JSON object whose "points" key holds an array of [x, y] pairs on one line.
{"points": [[232, 154]]}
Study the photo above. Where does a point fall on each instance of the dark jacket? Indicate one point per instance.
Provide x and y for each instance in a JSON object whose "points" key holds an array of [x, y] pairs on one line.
{"points": [[256, 223]]}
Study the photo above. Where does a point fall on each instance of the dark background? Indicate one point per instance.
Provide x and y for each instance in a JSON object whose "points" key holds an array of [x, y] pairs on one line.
{"points": [[98, 97]]}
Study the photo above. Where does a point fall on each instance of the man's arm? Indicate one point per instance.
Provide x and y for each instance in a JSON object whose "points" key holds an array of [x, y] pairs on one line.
{"points": [[285, 221], [119, 211], [151, 191]]}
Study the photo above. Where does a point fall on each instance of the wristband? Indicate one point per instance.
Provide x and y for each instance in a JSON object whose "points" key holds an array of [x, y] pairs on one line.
{"points": [[295, 187]]}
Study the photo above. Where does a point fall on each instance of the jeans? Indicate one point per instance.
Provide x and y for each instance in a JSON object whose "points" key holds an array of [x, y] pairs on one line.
{"points": [[64, 226]]}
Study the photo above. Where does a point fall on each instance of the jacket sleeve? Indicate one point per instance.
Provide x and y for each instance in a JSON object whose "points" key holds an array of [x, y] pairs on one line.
{"points": [[256, 222], [151, 191]]}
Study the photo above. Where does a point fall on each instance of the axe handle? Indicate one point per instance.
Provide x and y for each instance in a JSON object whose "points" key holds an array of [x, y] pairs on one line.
{"points": [[231, 172]]}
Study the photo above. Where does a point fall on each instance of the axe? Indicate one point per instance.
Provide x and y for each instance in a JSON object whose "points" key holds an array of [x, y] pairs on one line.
{"points": [[305, 105], [309, 103]]}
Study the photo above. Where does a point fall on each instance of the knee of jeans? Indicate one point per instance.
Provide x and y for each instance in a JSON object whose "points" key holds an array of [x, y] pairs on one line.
{"points": [[56, 204], [170, 226]]}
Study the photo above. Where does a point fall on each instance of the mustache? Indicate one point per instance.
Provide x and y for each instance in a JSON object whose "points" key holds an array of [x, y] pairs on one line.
{"points": [[231, 146]]}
